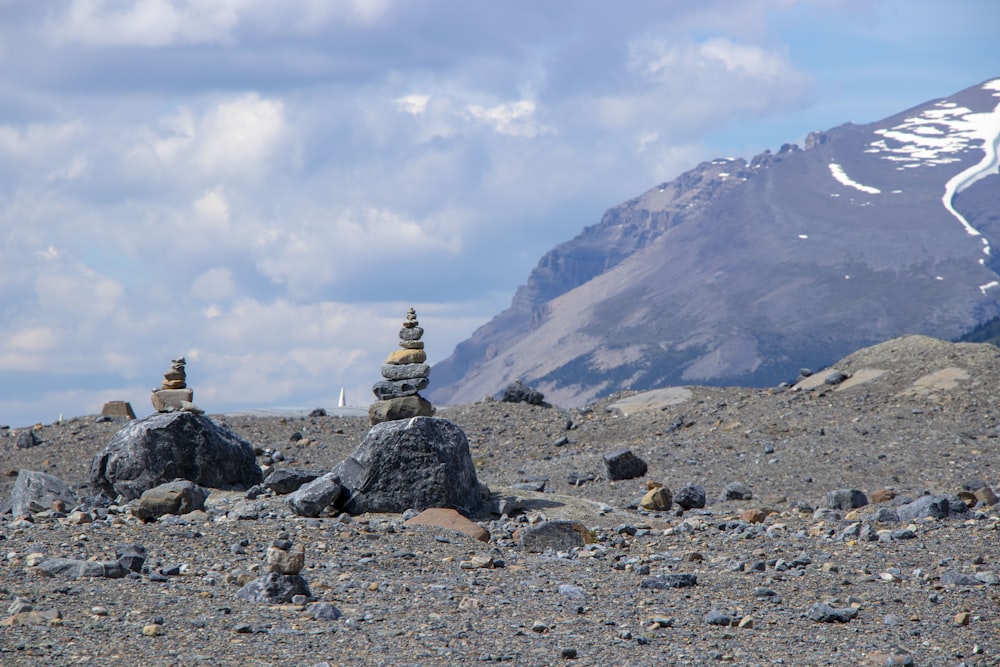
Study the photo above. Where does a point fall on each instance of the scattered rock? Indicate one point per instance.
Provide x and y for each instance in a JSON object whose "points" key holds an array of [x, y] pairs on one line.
{"points": [[311, 498], [985, 495], [882, 496], [936, 507], [177, 497], [690, 496], [555, 535], [26, 440], [516, 392], [37, 491], [79, 569], [672, 580], [736, 491], [275, 588], [131, 556], [658, 499], [283, 481], [716, 617], [623, 464], [846, 499], [284, 560], [824, 613]]}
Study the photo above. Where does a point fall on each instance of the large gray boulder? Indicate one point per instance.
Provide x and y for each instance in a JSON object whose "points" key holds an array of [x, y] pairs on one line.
{"points": [[412, 463], [36, 491], [177, 445]]}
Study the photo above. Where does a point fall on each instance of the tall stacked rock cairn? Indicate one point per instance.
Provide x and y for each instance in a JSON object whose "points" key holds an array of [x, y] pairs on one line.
{"points": [[174, 394], [404, 374]]}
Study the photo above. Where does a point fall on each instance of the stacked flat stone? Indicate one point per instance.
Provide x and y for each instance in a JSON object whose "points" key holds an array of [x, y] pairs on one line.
{"points": [[173, 394], [404, 374]]}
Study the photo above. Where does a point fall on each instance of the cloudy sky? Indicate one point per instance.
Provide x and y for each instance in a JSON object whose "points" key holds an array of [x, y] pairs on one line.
{"points": [[265, 186]]}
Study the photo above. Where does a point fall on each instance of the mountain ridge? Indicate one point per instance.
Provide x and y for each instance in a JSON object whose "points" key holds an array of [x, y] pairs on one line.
{"points": [[741, 272]]}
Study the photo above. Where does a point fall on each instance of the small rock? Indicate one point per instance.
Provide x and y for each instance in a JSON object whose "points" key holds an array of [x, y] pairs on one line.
{"points": [[882, 496], [152, 630], [555, 535], [716, 617], [572, 592], [284, 561], [177, 497], [286, 480], [753, 516], [657, 500], [824, 613], [736, 491], [985, 495], [324, 611], [672, 580], [962, 618], [846, 499]]}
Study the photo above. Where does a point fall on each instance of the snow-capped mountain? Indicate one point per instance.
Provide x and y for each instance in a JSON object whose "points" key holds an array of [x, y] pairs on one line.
{"points": [[743, 272]]}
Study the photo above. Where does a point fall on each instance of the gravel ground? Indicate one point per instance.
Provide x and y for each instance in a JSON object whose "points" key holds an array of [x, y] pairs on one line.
{"points": [[916, 416]]}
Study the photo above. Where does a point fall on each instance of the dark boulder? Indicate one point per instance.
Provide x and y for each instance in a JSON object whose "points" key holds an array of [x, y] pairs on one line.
{"points": [[176, 445], [516, 392], [36, 491], [623, 464], [286, 480], [413, 463], [26, 440], [846, 499], [690, 496], [315, 496], [275, 588]]}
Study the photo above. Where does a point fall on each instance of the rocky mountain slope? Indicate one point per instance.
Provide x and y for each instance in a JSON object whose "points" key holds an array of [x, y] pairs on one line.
{"points": [[742, 272]]}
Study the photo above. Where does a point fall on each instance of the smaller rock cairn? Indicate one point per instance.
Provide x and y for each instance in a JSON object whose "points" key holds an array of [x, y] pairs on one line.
{"points": [[174, 394], [282, 583], [405, 373]]}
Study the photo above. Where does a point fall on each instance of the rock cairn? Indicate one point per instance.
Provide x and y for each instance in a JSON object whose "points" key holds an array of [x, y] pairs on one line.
{"points": [[174, 394], [404, 374], [283, 583]]}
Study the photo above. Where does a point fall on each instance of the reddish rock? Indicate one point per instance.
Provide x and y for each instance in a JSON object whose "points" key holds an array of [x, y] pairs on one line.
{"points": [[444, 517]]}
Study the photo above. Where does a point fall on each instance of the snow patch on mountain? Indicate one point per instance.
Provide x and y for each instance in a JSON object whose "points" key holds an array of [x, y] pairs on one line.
{"points": [[936, 137], [838, 173]]}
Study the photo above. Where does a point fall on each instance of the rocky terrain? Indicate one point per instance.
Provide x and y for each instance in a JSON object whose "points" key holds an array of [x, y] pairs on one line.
{"points": [[783, 565]]}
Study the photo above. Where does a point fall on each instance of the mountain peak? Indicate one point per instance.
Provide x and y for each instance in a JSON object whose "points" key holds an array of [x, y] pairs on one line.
{"points": [[741, 272]]}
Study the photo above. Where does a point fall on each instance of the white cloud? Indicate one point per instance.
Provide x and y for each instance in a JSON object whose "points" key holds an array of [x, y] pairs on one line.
{"points": [[212, 209], [147, 23], [514, 119], [667, 60], [241, 135], [213, 285], [413, 104], [32, 339], [160, 23]]}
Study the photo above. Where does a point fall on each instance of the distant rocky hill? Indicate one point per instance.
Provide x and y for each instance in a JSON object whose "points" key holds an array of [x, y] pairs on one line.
{"points": [[740, 273]]}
